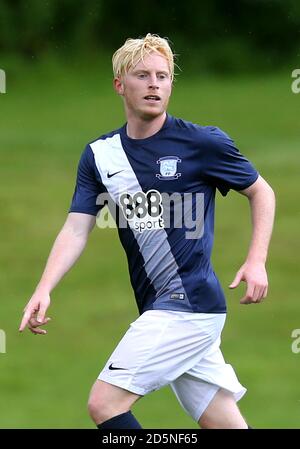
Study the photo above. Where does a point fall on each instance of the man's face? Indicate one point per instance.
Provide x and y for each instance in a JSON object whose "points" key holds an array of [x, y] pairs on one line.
{"points": [[146, 88]]}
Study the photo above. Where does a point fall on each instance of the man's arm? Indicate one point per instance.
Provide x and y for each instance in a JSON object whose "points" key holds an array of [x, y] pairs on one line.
{"points": [[253, 272], [66, 249]]}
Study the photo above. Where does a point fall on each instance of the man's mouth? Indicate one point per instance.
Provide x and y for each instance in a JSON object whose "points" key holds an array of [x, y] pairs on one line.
{"points": [[152, 97]]}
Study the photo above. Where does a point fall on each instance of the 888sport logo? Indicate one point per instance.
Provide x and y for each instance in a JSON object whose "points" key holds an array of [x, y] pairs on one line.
{"points": [[143, 211]]}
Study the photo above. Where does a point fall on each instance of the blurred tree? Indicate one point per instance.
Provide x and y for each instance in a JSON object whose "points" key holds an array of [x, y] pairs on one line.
{"points": [[221, 35]]}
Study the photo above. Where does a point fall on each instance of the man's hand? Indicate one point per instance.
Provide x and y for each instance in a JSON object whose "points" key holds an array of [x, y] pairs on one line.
{"points": [[255, 275], [35, 313]]}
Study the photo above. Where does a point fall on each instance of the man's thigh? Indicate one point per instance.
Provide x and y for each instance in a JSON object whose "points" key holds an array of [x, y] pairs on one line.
{"points": [[222, 413], [197, 387], [106, 392]]}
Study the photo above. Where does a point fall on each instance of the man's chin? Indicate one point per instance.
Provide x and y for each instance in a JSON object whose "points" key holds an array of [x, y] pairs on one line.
{"points": [[151, 114]]}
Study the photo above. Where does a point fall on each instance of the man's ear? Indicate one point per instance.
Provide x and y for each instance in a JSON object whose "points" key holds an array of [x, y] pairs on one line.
{"points": [[119, 86]]}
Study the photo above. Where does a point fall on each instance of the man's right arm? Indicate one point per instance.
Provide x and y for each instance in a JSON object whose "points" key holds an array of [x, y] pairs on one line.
{"points": [[66, 249]]}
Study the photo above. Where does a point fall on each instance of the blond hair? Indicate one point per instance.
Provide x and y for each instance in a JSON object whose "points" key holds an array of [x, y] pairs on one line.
{"points": [[134, 51]]}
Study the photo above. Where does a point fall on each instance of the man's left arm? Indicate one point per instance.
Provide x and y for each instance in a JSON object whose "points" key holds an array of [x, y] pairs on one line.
{"points": [[262, 203]]}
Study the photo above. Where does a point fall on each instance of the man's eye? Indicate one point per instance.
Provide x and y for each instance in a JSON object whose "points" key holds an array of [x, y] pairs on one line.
{"points": [[141, 75]]}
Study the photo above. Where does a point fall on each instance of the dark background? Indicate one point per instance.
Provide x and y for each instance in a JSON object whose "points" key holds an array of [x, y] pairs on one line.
{"points": [[223, 36]]}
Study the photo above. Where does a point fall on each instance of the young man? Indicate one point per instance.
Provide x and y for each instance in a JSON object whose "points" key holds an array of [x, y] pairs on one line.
{"points": [[182, 307]]}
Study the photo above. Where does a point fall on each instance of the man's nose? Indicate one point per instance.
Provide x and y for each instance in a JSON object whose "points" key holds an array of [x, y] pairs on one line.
{"points": [[153, 84]]}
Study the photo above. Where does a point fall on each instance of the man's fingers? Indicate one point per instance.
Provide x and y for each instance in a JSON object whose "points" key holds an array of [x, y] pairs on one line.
{"points": [[41, 314], [254, 294], [261, 294], [34, 326], [37, 331], [257, 294], [265, 293], [33, 322], [35, 312], [26, 318], [236, 280], [247, 299]]}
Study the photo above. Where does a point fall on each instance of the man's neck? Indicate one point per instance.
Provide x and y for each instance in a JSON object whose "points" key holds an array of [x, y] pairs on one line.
{"points": [[141, 129]]}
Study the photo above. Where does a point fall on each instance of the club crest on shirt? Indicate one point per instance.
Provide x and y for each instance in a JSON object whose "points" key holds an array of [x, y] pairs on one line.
{"points": [[168, 168]]}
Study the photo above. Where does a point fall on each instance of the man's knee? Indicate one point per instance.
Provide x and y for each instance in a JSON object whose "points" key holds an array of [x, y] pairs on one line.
{"points": [[222, 413], [107, 401], [100, 409]]}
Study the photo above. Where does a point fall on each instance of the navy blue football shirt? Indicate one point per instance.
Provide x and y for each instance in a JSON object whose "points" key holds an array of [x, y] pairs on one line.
{"points": [[169, 267]]}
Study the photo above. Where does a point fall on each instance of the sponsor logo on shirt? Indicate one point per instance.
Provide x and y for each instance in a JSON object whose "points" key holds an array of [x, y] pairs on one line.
{"points": [[143, 211]]}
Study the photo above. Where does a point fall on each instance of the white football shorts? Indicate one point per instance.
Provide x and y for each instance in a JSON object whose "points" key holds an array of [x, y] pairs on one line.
{"points": [[182, 349]]}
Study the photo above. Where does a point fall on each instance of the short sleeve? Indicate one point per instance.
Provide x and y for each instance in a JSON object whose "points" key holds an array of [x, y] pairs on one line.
{"points": [[87, 186], [223, 164]]}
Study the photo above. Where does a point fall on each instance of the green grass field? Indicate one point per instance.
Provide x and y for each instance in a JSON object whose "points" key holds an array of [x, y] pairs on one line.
{"points": [[47, 116]]}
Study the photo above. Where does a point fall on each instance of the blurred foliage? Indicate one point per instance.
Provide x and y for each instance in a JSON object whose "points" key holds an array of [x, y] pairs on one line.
{"points": [[216, 35]]}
